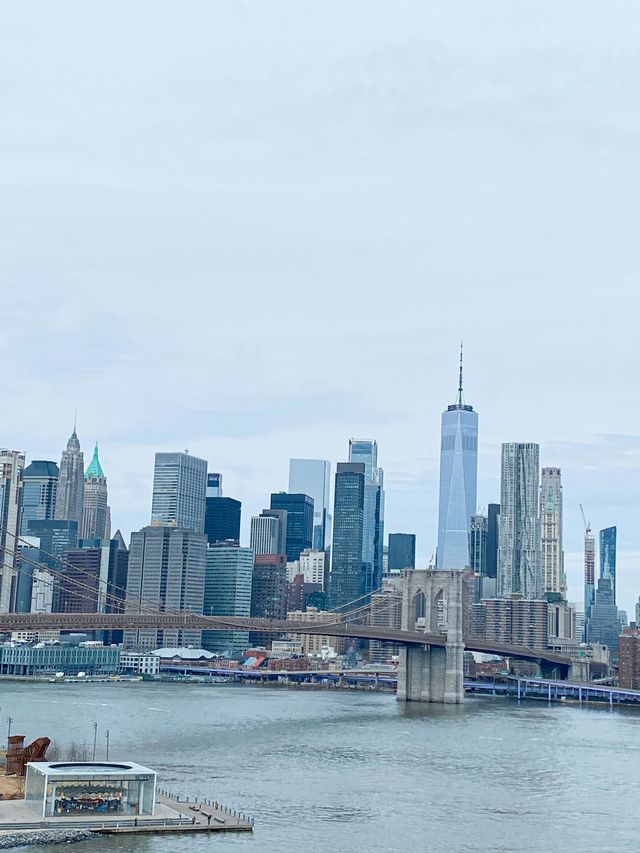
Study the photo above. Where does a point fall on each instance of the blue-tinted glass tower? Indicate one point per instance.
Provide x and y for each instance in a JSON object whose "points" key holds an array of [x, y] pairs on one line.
{"points": [[608, 556], [365, 451], [348, 578], [458, 482]]}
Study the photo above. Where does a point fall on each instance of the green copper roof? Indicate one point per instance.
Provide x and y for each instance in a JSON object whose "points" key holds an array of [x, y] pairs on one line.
{"points": [[95, 468]]}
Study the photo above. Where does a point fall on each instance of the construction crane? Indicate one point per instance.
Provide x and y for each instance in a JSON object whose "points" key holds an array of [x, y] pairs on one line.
{"points": [[587, 524]]}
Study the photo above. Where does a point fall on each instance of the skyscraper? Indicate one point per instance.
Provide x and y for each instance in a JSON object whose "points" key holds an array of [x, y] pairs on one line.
{"points": [[478, 544], [70, 493], [299, 509], [402, 551], [608, 556], [347, 581], [553, 576], [493, 513], [96, 517], [179, 487], [40, 484], [366, 452], [214, 485], [519, 558], [313, 477], [265, 534], [458, 482], [166, 571], [589, 576], [268, 592], [604, 622], [222, 520], [228, 583], [11, 469]]}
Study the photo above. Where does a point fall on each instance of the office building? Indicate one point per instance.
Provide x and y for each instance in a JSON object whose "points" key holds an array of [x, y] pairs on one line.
{"points": [[29, 548], [519, 557], [313, 477], [603, 625], [228, 584], [11, 483], [458, 482], [314, 643], [267, 534], [552, 554], [493, 513], [70, 491], [589, 576], [268, 593], [366, 452], [299, 509], [40, 484], [478, 544], [629, 659], [96, 515], [179, 488], [214, 485], [608, 556], [511, 621], [222, 520], [402, 552], [166, 572], [386, 612], [347, 581]]}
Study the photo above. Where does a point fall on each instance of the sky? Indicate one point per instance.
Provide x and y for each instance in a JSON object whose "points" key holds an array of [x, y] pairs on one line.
{"points": [[254, 230]]}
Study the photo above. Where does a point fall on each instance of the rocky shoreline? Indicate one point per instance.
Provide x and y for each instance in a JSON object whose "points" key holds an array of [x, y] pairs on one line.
{"points": [[43, 836]]}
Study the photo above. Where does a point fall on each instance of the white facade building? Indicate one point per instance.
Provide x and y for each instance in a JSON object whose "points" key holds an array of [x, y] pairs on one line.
{"points": [[11, 468], [553, 576]]}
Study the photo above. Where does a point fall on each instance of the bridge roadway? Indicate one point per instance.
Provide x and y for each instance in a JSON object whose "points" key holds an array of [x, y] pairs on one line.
{"points": [[152, 621]]}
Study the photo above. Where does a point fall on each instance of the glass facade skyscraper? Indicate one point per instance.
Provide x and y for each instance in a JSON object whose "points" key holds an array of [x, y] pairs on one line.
{"points": [[365, 451], [40, 483], [608, 556], [227, 592], [347, 579], [402, 551], [222, 520], [478, 544], [179, 487], [299, 508], [458, 482], [313, 477], [493, 513], [519, 555]]}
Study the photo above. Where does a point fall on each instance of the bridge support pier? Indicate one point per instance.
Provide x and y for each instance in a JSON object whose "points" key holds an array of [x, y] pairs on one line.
{"points": [[432, 600]]}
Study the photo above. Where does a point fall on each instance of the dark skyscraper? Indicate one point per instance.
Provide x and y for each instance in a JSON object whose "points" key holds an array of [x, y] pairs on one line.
{"points": [[299, 521], [478, 544], [402, 551], [604, 623], [366, 451], [608, 556], [347, 580], [222, 520], [493, 513], [40, 483]]}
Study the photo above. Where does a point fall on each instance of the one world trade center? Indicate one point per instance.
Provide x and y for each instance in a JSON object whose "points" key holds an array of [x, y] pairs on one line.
{"points": [[458, 482]]}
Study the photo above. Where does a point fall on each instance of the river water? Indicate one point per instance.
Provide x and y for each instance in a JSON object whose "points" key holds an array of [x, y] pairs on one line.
{"points": [[358, 772]]}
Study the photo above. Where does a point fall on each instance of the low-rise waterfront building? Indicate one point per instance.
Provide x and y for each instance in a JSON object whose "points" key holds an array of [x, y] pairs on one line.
{"points": [[139, 663], [49, 660]]}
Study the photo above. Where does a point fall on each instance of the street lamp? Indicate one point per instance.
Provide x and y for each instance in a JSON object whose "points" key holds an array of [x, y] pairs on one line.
{"points": [[106, 734], [9, 720], [95, 740]]}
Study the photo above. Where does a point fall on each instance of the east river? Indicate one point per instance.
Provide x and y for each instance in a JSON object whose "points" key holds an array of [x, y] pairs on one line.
{"points": [[358, 772]]}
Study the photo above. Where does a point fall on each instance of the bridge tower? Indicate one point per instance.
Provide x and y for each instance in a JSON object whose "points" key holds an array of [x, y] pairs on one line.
{"points": [[432, 602]]}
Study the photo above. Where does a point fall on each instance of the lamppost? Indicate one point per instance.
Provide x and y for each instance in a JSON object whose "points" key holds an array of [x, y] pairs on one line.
{"points": [[106, 734], [95, 740], [9, 720]]}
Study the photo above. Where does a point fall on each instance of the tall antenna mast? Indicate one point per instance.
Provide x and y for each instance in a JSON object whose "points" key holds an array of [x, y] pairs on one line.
{"points": [[460, 401]]}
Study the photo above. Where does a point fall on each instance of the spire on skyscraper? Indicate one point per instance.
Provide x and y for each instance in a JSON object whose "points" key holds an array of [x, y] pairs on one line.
{"points": [[460, 400], [95, 468]]}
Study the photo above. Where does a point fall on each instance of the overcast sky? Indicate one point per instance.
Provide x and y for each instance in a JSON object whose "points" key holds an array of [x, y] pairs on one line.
{"points": [[255, 229]]}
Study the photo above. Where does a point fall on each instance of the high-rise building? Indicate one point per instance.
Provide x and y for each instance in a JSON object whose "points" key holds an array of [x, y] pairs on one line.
{"points": [[214, 485], [266, 534], [166, 571], [179, 488], [458, 482], [299, 508], [280, 516], [96, 516], [604, 625], [222, 520], [55, 538], [95, 579], [608, 556], [228, 583], [478, 544], [313, 477], [11, 470], [40, 484], [366, 452], [493, 513], [519, 558], [268, 592], [70, 492], [347, 581], [589, 576], [629, 659], [511, 621], [553, 576], [402, 551]]}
